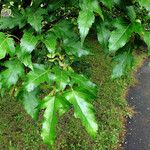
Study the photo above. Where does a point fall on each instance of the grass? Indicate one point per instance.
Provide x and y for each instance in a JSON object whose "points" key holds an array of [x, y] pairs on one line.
{"points": [[19, 132]]}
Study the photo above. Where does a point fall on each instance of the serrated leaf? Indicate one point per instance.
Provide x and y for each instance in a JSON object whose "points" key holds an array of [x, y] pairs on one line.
{"points": [[11, 75], [35, 19], [107, 3], [52, 104], [28, 42], [96, 8], [31, 102], [24, 57], [85, 20], [75, 48], [34, 78], [131, 13], [63, 29], [50, 42], [16, 20], [86, 16], [103, 35], [147, 39], [50, 120], [85, 83], [120, 37], [6, 45], [124, 64], [83, 110], [61, 79], [62, 104]]}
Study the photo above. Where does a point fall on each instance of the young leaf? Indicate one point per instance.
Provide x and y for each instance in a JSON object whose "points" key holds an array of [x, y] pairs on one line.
{"points": [[28, 42], [119, 37], [83, 110], [11, 75], [6, 45]]}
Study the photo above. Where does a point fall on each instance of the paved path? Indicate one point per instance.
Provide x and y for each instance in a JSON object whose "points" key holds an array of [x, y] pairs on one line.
{"points": [[138, 128]]}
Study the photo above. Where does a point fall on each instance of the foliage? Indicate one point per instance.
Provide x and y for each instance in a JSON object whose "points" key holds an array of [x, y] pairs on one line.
{"points": [[48, 81], [21, 132]]}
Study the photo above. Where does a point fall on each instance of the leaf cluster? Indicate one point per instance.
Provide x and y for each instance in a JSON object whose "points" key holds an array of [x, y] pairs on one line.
{"points": [[41, 40]]}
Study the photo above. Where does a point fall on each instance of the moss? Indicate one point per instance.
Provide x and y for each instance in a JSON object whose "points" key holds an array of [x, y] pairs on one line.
{"points": [[18, 131]]}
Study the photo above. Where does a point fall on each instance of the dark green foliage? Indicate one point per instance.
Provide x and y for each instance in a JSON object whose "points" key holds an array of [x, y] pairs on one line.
{"points": [[49, 29]]}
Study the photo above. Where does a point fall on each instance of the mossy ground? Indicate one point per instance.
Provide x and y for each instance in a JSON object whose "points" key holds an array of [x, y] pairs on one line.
{"points": [[19, 132]]}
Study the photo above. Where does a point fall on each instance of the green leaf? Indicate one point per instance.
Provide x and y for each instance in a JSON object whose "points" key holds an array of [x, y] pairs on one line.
{"points": [[34, 78], [103, 35], [96, 8], [35, 18], [62, 104], [28, 42], [75, 48], [137, 27], [117, 1], [85, 83], [52, 104], [31, 102], [145, 3], [61, 79], [83, 110], [24, 57], [11, 75], [50, 41], [131, 13], [147, 39], [85, 20], [63, 30], [107, 3], [54, 5], [50, 120], [86, 16], [6, 45], [124, 64], [16, 20], [120, 37]]}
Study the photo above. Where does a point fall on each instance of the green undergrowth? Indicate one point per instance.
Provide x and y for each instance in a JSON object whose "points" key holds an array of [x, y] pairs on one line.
{"points": [[19, 132]]}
